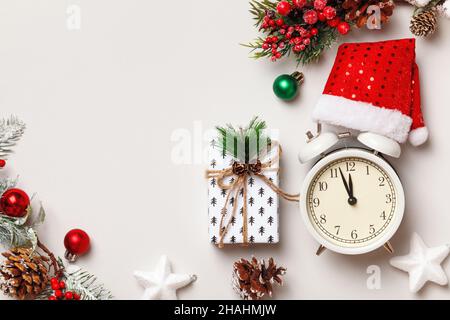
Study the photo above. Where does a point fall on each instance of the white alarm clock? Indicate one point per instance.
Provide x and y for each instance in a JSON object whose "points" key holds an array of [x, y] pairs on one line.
{"points": [[352, 200]]}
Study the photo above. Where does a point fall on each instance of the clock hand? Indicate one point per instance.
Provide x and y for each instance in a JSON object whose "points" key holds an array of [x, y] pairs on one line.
{"points": [[351, 199], [345, 183]]}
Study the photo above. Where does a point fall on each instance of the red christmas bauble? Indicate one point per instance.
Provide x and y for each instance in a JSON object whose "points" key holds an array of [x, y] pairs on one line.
{"points": [[14, 203], [310, 17], [329, 12], [284, 8], [320, 4], [343, 28], [77, 242], [299, 3]]}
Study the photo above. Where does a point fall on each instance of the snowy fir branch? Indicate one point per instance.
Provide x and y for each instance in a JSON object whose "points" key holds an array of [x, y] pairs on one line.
{"points": [[11, 130], [86, 285]]}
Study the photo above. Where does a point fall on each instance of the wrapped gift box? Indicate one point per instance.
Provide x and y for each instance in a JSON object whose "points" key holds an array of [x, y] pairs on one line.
{"points": [[262, 202]]}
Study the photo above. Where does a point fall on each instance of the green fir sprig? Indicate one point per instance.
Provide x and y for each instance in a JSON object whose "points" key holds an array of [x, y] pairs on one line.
{"points": [[244, 143]]}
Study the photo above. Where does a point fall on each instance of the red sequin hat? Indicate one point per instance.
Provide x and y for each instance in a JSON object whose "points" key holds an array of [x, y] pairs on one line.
{"points": [[375, 87]]}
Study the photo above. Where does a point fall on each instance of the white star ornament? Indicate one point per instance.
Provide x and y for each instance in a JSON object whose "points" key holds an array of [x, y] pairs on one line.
{"points": [[162, 284], [423, 264]]}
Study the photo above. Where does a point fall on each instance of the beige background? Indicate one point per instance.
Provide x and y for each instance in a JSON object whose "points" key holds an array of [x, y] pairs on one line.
{"points": [[102, 103]]}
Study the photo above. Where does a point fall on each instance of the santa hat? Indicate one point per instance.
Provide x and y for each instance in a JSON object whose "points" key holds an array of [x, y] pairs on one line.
{"points": [[375, 87]]}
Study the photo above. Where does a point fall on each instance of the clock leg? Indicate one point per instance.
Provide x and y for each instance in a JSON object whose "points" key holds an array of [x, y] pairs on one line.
{"points": [[389, 248], [320, 250]]}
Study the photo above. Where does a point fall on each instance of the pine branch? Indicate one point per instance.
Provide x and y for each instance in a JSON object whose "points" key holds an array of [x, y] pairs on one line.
{"points": [[259, 9], [245, 144], [325, 39], [11, 130], [286, 42], [86, 286]]}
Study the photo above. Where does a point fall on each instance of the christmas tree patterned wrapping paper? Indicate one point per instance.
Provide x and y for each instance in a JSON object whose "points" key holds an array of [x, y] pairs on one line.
{"points": [[262, 201]]}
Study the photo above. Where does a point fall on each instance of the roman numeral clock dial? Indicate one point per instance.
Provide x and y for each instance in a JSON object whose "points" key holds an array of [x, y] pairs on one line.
{"points": [[353, 201]]}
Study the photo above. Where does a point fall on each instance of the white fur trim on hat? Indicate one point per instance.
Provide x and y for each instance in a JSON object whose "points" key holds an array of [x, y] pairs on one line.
{"points": [[418, 136], [362, 116]]}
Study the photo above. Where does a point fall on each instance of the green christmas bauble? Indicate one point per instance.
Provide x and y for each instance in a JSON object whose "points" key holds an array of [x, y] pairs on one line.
{"points": [[286, 86]]}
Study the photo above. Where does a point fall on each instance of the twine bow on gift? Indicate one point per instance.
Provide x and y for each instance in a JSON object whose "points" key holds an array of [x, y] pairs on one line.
{"points": [[243, 171]]}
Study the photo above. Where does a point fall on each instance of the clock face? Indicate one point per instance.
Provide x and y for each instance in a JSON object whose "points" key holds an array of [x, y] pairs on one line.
{"points": [[354, 203]]}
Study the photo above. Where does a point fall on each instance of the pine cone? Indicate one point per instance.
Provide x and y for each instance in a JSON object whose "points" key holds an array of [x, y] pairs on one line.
{"points": [[23, 274], [252, 280], [356, 10], [424, 23]]}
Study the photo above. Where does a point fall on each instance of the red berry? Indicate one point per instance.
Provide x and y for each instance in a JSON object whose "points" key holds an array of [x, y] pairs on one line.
{"points": [[288, 35], [68, 295], [280, 22], [284, 8], [291, 29], [299, 3], [272, 23], [343, 28], [297, 48], [281, 45], [274, 46], [282, 31], [320, 4], [314, 31], [54, 280], [274, 39], [274, 51], [2, 163], [55, 286], [62, 284], [329, 12], [76, 296], [321, 16], [297, 40], [302, 47], [265, 46], [306, 41], [278, 55], [302, 32], [273, 59], [310, 17], [333, 22], [58, 294], [52, 298]]}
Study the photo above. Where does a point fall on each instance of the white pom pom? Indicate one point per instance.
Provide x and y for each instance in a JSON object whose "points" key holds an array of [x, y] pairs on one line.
{"points": [[418, 136]]}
